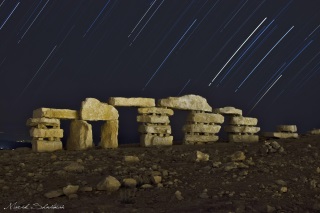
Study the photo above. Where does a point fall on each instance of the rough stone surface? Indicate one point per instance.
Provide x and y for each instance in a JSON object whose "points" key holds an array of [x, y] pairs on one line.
{"points": [[155, 140], [153, 119], [242, 129], [110, 184], [201, 128], [80, 136], [205, 118], [280, 135], [93, 110], [200, 156], [287, 128], [191, 139], [161, 129], [109, 134], [314, 132], [55, 113], [244, 121], [132, 102], [70, 189], [228, 110], [155, 110], [34, 122], [46, 146], [54, 193], [243, 138], [46, 133], [186, 102]]}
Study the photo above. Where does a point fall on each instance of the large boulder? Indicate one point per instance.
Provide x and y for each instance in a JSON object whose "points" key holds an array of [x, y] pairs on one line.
{"points": [[186, 102], [132, 102], [80, 136], [93, 110]]}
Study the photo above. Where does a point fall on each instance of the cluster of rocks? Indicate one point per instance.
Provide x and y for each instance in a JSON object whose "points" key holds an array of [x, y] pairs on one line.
{"points": [[283, 131], [239, 128], [271, 147], [46, 133]]}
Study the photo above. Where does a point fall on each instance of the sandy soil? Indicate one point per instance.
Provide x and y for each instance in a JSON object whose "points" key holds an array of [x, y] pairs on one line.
{"points": [[281, 176]]}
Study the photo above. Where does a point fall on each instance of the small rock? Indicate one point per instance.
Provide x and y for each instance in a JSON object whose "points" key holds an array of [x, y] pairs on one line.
{"points": [[318, 170], [178, 195], [109, 183], [202, 156], [270, 209], [74, 167], [238, 156], [156, 179], [204, 194], [86, 189], [73, 196], [283, 189], [131, 159], [216, 164], [281, 182], [70, 189], [54, 193], [129, 182], [275, 145], [230, 166], [146, 186]]}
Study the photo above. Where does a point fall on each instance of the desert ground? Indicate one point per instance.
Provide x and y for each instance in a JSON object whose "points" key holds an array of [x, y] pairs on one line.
{"points": [[268, 176]]}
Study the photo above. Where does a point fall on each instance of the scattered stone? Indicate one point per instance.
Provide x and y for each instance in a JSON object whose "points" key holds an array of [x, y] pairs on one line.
{"points": [[85, 189], [156, 179], [178, 195], [74, 167], [216, 164], [55, 113], [283, 189], [93, 110], [109, 184], [131, 159], [129, 182], [54, 193], [281, 182], [80, 136], [201, 156], [70, 189], [146, 186], [238, 156], [204, 194], [73, 196]]}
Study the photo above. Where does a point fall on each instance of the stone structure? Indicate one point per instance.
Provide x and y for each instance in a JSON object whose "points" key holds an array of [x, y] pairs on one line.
{"points": [[55, 113], [80, 136], [242, 129], [314, 132], [46, 134], [154, 128], [132, 102], [283, 131]]}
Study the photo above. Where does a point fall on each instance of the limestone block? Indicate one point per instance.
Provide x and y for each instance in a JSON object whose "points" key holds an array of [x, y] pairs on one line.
{"points": [[280, 135], [155, 110], [153, 119], [34, 122], [132, 102], [46, 146], [244, 121], [314, 132], [93, 110], [109, 134], [155, 140], [186, 102], [161, 129], [242, 129], [191, 138], [228, 110], [205, 118], [80, 136], [287, 128], [46, 133], [243, 138], [55, 113], [201, 128]]}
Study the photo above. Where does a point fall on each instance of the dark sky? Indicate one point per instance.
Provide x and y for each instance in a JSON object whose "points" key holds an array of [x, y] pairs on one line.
{"points": [[260, 56]]}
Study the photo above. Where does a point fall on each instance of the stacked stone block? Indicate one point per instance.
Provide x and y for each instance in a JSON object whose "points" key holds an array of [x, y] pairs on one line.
{"points": [[283, 131], [202, 127], [242, 129], [155, 126], [46, 134]]}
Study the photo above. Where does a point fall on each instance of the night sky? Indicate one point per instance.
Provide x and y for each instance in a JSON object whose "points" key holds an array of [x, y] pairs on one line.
{"points": [[260, 56]]}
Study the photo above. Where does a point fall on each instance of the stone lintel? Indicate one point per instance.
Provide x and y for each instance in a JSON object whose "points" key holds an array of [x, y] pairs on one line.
{"points": [[228, 110], [55, 113], [132, 102]]}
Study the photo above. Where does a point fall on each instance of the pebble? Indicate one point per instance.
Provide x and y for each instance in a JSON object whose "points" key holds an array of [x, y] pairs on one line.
{"points": [[178, 195]]}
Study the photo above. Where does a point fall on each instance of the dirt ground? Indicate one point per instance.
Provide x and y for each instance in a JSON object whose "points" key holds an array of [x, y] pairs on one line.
{"points": [[269, 176]]}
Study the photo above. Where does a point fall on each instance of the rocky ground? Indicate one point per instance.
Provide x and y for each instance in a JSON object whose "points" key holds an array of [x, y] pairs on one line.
{"points": [[269, 176]]}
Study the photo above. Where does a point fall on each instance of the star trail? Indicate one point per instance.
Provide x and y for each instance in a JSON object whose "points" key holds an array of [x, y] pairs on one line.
{"points": [[260, 56]]}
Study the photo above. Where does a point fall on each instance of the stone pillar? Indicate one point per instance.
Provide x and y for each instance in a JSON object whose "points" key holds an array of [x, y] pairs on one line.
{"points": [[46, 134], [80, 136], [109, 134], [201, 127], [155, 126], [283, 131], [242, 129]]}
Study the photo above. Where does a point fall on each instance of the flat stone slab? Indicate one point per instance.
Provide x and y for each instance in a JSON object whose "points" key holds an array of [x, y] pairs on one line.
{"points": [[186, 102], [153, 119], [132, 102], [46, 146], [242, 129], [147, 140], [192, 139], [314, 132], [93, 110], [160, 129], [55, 113], [35, 122], [228, 110], [280, 135], [46, 133], [243, 138], [155, 110], [287, 128], [243, 121], [201, 128], [205, 118]]}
